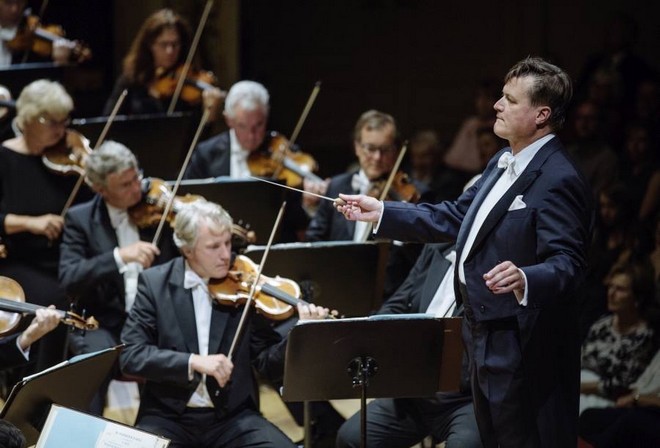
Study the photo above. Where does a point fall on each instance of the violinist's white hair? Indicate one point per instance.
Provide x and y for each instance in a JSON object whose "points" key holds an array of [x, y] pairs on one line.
{"points": [[42, 97], [248, 95], [192, 214], [110, 157]]}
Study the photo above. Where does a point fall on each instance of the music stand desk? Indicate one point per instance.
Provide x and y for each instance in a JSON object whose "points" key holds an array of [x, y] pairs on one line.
{"points": [[380, 356], [71, 383]]}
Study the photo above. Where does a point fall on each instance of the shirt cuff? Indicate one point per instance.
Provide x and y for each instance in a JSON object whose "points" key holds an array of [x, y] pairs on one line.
{"points": [[380, 218], [191, 374], [522, 295], [118, 261], [26, 352]]}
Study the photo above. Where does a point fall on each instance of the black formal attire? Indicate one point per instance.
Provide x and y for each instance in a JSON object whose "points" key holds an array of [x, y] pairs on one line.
{"points": [[10, 354], [328, 225], [28, 188], [161, 334], [524, 359], [212, 158], [89, 273], [402, 422]]}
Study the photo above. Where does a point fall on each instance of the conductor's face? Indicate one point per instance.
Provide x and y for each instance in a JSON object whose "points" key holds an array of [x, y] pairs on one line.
{"points": [[211, 255], [517, 119], [249, 126]]}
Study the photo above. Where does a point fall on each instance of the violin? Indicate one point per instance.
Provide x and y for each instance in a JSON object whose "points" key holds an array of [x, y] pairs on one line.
{"points": [[39, 39], [156, 194], [68, 155], [275, 298], [281, 162], [13, 300], [402, 189], [195, 83]]}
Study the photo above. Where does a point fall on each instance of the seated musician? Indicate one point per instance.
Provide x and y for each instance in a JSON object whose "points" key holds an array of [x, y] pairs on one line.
{"points": [[32, 198], [375, 139], [158, 50], [226, 154], [178, 339], [446, 416], [15, 349], [103, 250], [12, 22]]}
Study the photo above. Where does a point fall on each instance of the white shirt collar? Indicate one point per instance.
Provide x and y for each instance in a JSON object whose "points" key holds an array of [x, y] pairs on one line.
{"points": [[525, 155]]}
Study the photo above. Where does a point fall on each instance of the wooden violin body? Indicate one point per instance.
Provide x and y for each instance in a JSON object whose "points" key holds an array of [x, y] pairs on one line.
{"points": [[68, 156], [275, 298], [402, 189], [280, 162], [194, 85], [13, 305], [39, 39]]}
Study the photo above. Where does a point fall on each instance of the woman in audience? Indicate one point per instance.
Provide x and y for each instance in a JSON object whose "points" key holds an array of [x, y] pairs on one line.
{"points": [[620, 345]]}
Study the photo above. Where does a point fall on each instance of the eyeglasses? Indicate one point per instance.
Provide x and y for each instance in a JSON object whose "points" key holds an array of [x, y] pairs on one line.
{"points": [[373, 149], [54, 123]]}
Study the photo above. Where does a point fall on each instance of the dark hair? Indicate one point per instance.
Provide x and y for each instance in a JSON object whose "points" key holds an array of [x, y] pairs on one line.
{"points": [[642, 283], [11, 436], [551, 87], [139, 62]]}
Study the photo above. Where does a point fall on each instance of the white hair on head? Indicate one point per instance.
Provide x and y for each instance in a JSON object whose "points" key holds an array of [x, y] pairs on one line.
{"points": [[192, 214], [42, 97], [248, 95], [110, 157]]}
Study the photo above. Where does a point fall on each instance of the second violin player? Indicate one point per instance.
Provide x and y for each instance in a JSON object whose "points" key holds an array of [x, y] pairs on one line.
{"points": [[103, 251], [156, 53]]}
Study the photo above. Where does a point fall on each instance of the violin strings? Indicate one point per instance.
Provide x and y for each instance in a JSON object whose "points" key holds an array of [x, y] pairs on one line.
{"points": [[292, 188]]}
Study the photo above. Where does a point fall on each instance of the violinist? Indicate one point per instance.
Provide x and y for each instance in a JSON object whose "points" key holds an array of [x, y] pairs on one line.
{"points": [[15, 349], [376, 145], [13, 26], [178, 340], [246, 113], [150, 67], [103, 251], [31, 199]]}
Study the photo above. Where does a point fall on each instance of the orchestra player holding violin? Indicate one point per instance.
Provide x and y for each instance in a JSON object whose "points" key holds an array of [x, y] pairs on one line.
{"points": [[103, 250], [233, 152], [31, 200], [151, 67], [15, 349], [16, 36], [180, 341]]}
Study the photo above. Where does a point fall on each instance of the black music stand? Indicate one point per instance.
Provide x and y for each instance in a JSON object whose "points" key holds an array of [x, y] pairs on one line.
{"points": [[17, 76], [71, 383], [381, 356], [341, 275], [159, 141], [248, 201]]}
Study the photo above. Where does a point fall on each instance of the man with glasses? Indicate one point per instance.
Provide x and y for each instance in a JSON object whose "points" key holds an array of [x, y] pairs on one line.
{"points": [[103, 251], [375, 143]]}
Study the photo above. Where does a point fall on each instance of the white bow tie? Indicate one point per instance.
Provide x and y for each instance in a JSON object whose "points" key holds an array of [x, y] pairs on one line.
{"points": [[508, 162], [360, 183], [192, 280]]}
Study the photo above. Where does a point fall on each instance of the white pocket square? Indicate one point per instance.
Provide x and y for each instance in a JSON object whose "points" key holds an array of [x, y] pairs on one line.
{"points": [[517, 203]]}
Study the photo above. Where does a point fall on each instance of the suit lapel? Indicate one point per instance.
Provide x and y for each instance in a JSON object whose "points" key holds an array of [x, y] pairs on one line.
{"points": [[530, 174], [183, 306], [103, 230], [439, 267], [219, 320]]}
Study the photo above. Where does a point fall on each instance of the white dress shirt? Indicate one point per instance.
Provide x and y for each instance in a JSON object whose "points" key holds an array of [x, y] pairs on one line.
{"points": [[361, 183], [6, 34], [238, 167], [203, 310], [512, 173], [127, 234]]}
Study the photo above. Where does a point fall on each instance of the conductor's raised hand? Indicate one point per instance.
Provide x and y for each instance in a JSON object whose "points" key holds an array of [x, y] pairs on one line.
{"points": [[359, 207]]}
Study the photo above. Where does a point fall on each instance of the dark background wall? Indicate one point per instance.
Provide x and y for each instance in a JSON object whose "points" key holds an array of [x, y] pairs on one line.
{"points": [[419, 60]]}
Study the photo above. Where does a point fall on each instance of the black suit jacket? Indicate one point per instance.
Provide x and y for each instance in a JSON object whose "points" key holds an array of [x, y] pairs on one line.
{"points": [[10, 354], [87, 268], [160, 335], [327, 224]]}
